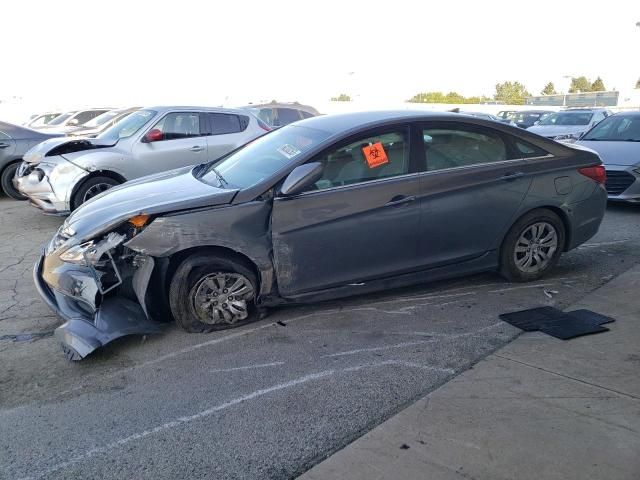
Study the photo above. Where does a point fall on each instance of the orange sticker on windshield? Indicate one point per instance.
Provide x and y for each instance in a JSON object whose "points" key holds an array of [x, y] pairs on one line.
{"points": [[375, 155]]}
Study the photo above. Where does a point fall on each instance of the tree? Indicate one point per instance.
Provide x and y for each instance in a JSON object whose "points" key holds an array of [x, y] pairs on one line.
{"points": [[580, 84], [511, 93], [638, 83], [439, 97], [549, 89], [343, 97], [598, 85]]}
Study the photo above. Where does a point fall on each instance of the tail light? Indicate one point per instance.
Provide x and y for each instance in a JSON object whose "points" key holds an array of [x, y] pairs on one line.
{"points": [[597, 173]]}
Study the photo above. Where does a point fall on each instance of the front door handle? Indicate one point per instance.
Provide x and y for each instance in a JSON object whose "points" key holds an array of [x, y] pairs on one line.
{"points": [[196, 148], [512, 176], [400, 200], [4, 145]]}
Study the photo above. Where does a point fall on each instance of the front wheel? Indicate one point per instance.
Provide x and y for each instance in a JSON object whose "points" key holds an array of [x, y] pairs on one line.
{"points": [[532, 247], [90, 188], [6, 181], [209, 292]]}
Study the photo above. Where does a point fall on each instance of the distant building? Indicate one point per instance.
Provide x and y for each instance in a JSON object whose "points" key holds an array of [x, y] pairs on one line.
{"points": [[588, 99]]}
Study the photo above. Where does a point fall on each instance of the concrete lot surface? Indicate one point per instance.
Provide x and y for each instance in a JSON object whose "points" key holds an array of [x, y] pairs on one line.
{"points": [[269, 400]]}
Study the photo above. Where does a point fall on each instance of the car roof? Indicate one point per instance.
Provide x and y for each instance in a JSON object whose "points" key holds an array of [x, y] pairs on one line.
{"points": [[294, 105], [630, 113], [581, 109], [341, 122], [165, 108]]}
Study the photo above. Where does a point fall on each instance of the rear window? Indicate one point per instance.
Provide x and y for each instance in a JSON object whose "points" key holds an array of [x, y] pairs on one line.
{"points": [[287, 116], [567, 118]]}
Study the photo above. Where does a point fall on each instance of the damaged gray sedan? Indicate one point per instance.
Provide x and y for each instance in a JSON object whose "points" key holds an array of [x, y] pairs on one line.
{"points": [[324, 208]]}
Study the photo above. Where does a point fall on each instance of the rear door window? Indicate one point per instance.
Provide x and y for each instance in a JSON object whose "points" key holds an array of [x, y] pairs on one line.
{"points": [[370, 158], [462, 146], [179, 125]]}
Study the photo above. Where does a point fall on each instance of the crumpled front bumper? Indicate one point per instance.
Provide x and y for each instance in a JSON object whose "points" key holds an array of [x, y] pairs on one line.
{"points": [[52, 194], [86, 326]]}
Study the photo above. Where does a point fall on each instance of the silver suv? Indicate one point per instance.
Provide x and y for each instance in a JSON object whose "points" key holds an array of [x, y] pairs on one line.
{"points": [[59, 175]]}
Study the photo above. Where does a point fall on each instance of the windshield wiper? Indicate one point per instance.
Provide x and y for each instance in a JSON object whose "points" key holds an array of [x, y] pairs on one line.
{"points": [[219, 176]]}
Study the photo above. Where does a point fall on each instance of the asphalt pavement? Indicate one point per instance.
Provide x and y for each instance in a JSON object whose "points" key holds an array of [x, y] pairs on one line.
{"points": [[268, 400]]}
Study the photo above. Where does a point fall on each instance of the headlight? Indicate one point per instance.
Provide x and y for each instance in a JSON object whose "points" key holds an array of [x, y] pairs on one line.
{"points": [[90, 253], [78, 253], [568, 137]]}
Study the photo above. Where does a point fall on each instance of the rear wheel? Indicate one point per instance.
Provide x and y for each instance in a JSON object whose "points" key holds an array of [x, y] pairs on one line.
{"points": [[532, 247], [90, 188], [209, 292], [6, 181]]}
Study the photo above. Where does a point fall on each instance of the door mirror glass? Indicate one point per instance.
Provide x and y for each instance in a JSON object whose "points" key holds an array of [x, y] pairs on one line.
{"points": [[301, 177], [153, 135]]}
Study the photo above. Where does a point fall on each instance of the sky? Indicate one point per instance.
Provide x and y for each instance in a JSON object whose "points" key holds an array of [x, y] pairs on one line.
{"points": [[120, 53]]}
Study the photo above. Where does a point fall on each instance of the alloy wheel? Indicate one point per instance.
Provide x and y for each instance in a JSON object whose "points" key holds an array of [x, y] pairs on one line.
{"points": [[535, 247], [96, 189], [222, 298]]}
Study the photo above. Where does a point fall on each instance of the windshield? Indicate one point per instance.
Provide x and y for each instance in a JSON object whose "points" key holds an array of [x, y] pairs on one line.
{"points": [[128, 126], [263, 157], [618, 128], [61, 119], [101, 119], [567, 118]]}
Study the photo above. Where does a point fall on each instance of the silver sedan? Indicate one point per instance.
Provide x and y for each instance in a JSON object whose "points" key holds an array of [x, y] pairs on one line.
{"points": [[617, 141]]}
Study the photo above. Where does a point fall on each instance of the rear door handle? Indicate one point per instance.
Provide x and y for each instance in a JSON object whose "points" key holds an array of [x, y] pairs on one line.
{"points": [[512, 175], [4, 145], [400, 200], [196, 148]]}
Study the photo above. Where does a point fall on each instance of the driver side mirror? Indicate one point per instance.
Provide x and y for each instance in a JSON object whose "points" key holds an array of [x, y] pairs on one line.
{"points": [[536, 122], [300, 178], [153, 135], [73, 122]]}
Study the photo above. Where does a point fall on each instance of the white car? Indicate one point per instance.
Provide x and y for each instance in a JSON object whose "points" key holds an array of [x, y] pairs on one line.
{"points": [[59, 175]]}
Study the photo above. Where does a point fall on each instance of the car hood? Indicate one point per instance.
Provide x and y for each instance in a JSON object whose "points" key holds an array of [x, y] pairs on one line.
{"points": [[554, 130], [615, 153], [156, 194], [64, 145]]}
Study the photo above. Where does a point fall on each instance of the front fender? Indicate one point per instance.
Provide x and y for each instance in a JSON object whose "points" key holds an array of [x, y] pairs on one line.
{"points": [[244, 228]]}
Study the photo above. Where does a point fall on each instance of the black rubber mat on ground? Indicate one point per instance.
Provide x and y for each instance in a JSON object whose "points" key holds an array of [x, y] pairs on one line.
{"points": [[559, 324]]}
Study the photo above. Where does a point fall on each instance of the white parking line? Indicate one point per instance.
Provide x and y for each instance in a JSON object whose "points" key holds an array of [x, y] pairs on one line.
{"points": [[246, 367], [175, 423], [375, 349], [45, 472]]}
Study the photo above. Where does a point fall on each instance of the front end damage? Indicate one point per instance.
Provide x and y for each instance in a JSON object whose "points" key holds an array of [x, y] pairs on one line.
{"points": [[98, 287]]}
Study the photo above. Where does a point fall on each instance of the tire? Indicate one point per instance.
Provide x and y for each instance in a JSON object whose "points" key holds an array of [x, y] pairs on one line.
{"points": [[90, 188], [7, 184], [538, 249], [194, 291]]}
